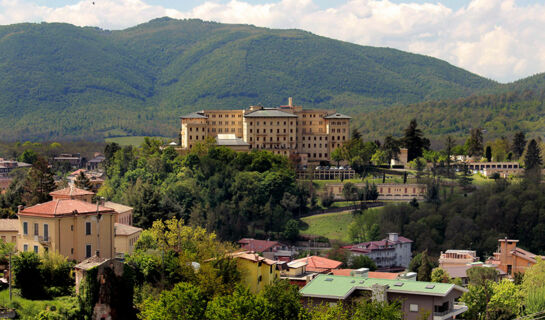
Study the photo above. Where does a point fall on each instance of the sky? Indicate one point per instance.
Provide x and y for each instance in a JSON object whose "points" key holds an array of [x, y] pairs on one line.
{"points": [[503, 40]]}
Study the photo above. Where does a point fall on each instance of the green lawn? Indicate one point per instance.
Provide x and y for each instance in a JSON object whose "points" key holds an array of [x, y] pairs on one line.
{"points": [[133, 140], [29, 309], [330, 225]]}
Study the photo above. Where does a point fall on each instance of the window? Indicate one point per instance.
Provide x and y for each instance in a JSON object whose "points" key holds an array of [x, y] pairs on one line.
{"points": [[36, 229], [413, 307], [25, 247], [87, 228], [25, 228], [35, 249], [46, 232], [87, 251]]}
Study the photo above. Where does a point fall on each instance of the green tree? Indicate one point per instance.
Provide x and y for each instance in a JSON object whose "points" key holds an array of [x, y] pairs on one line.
{"points": [[38, 183], [534, 277], [241, 305], [183, 302], [519, 143], [82, 181], [440, 275], [488, 153], [291, 230], [533, 156], [28, 156], [391, 148], [450, 143], [350, 191], [424, 270], [475, 143], [480, 275], [28, 276], [284, 301], [506, 302], [414, 141], [476, 300], [362, 261], [338, 155]]}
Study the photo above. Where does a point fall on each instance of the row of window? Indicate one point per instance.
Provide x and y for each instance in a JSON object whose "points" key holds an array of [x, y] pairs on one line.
{"points": [[270, 139], [271, 131], [270, 123], [46, 229], [227, 123], [226, 116], [88, 250]]}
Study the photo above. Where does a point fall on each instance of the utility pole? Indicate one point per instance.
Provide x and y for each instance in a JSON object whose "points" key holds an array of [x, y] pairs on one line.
{"points": [[10, 275]]}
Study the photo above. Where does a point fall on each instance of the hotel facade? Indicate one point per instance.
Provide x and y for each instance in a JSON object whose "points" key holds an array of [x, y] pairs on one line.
{"points": [[308, 134]]}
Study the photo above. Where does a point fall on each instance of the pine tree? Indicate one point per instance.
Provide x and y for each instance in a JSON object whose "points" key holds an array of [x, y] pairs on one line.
{"points": [[38, 183], [475, 143], [533, 156], [448, 150], [488, 153], [414, 141], [519, 143], [83, 182], [424, 271]]}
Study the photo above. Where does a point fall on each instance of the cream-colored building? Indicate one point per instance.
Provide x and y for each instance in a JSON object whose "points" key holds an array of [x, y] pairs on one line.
{"points": [[386, 191], [9, 229], [74, 228], [287, 130], [125, 238], [124, 213]]}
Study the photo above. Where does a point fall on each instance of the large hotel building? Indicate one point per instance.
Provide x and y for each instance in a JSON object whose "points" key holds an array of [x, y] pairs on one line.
{"points": [[288, 130]]}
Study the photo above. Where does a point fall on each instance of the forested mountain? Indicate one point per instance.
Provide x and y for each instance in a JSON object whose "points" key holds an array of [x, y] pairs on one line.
{"points": [[58, 81], [520, 108]]}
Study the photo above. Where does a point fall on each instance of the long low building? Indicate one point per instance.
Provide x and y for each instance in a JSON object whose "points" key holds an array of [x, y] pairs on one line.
{"points": [[417, 297], [386, 191]]}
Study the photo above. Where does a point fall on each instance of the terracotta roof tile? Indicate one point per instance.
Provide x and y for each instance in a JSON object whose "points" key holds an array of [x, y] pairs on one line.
{"points": [[320, 264], [64, 207], [125, 230], [257, 245], [71, 191]]}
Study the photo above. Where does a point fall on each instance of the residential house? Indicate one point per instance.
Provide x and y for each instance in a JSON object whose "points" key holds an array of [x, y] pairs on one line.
{"points": [[370, 274], [125, 238], [511, 259], [392, 253], [273, 250], [416, 297], [6, 166], [95, 163], [72, 193], [319, 264], [124, 213], [296, 273], [74, 228], [460, 271], [74, 160], [256, 271], [9, 229]]}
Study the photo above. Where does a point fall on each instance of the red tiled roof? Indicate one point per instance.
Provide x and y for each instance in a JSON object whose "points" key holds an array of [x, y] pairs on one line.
{"points": [[252, 257], [384, 244], [320, 264], [77, 172], [370, 274], [71, 191], [64, 207], [257, 245]]}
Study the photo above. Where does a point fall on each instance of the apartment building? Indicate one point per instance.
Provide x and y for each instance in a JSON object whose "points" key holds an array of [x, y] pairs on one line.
{"points": [[286, 130], [392, 253]]}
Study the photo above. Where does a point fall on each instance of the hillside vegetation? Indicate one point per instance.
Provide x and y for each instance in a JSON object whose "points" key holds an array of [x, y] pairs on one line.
{"points": [[59, 81]]}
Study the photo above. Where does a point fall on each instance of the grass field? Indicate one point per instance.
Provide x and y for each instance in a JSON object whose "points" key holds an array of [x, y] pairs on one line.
{"points": [[29, 309], [330, 225], [133, 140]]}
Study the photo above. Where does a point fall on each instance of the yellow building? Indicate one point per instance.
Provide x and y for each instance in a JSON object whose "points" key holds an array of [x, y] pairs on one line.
{"points": [[125, 238], [256, 271], [74, 228], [124, 213], [9, 229], [287, 130]]}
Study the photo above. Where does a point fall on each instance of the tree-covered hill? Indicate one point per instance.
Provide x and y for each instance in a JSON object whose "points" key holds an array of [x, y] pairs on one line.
{"points": [[58, 81], [520, 108]]}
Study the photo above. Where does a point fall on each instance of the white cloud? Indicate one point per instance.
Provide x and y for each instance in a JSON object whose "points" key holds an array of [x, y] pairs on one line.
{"points": [[494, 38]]}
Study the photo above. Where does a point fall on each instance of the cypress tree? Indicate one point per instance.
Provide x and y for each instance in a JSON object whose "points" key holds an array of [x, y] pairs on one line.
{"points": [[533, 156], [83, 182], [38, 183], [519, 143]]}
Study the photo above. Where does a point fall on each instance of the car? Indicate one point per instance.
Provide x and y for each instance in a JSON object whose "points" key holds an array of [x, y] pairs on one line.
{"points": [[318, 168], [341, 168], [333, 168]]}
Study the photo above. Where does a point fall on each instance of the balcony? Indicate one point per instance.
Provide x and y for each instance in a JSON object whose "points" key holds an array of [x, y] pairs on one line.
{"points": [[44, 241], [457, 309]]}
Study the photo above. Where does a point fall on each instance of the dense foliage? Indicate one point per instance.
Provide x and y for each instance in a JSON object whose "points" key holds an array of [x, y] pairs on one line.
{"points": [[91, 83], [233, 194]]}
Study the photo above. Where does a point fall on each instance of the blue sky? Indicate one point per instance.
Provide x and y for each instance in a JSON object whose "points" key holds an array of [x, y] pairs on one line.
{"points": [[499, 39]]}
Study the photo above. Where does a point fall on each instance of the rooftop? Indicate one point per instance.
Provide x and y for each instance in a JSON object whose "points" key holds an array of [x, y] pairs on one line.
{"points": [[337, 116], [9, 225], [194, 115], [319, 264], [257, 245], [340, 287], [119, 208], [229, 140], [64, 207], [370, 274], [90, 263], [71, 191], [125, 230], [269, 113], [247, 255]]}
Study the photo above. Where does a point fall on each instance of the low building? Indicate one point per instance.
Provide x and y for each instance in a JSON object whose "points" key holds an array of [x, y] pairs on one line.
{"points": [[9, 229], [124, 213], [460, 271], [386, 191], [125, 238], [296, 273], [319, 264], [402, 158], [416, 297], [269, 249], [74, 228], [6, 166], [232, 142], [511, 259], [74, 160], [95, 163], [457, 258], [256, 272], [392, 253]]}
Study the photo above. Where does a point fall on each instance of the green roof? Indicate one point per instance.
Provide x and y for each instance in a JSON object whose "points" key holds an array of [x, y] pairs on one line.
{"points": [[269, 113], [340, 287]]}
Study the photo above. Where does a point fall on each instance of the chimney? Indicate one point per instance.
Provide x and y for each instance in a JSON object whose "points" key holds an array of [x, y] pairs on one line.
{"points": [[290, 101], [361, 273], [392, 237], [20, 208]]}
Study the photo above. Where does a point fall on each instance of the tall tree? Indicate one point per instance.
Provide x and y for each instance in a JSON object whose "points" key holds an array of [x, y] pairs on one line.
{"points": [[391, 148], [424, 270], [82, 181], [475, 143], [533, 156], [488, 153], [450, 143], [414, 141], [39, 183], [519, 143]]}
